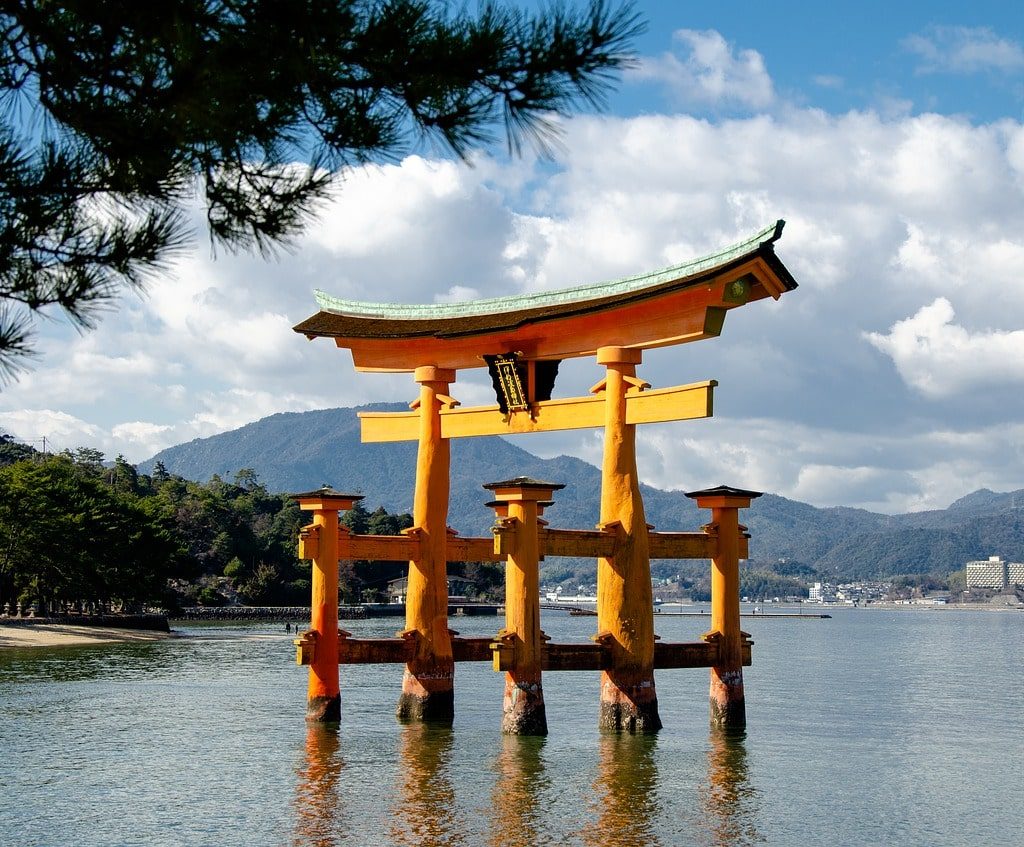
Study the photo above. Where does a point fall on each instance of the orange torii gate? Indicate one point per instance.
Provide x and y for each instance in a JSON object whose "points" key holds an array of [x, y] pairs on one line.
{"points": [[521, 340]]}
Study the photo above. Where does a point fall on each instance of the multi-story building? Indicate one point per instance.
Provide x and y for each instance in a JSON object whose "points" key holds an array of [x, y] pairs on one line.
{"points": [[988, 573], [821, 592], [1015, 574]]}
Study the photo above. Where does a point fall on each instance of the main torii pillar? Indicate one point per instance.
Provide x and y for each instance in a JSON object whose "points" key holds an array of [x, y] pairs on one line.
{"points": [[625, 601], [428, 692]]}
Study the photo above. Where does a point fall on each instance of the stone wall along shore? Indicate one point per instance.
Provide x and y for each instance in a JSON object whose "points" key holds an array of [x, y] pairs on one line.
{"points": [[260, 613], [155, 622]]}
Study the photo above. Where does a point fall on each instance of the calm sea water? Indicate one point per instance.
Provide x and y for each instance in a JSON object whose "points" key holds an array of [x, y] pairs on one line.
{"points": [[874, 727]]}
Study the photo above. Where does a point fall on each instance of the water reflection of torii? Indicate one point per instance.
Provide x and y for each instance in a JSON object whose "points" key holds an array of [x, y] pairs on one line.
{"points": [[521, 340], [627, 803]]}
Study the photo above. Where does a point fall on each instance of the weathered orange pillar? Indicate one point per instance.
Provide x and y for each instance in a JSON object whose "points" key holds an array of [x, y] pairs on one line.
{"points": [[728, 707], [319, 542], [625, 603], [428, 683], [518, 648]]}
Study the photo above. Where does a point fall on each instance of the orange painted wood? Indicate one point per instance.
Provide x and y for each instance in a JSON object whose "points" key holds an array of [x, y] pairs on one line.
{"points": [[725, 586], [323, 670], [577, 542], [472, 550], [371, 651], [682, 545], [384, 548], [678, 317], [625, 604], [428, 681], [676, 403], [554, 657]]}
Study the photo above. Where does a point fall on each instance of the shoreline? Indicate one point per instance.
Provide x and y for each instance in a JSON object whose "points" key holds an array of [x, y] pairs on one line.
{"points": [[31, 635]]}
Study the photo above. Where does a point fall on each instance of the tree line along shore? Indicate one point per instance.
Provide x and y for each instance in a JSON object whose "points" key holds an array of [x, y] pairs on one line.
{"points": [[80, 535]]}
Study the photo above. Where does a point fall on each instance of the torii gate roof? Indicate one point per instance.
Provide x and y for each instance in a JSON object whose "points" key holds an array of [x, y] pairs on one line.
{"points": [[680, 303]]}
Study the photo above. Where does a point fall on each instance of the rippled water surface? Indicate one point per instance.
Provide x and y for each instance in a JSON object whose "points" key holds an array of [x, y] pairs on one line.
{"points": [[874, 727]]}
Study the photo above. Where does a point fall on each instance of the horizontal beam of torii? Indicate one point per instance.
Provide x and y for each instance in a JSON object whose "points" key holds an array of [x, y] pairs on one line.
{"points": [[552, 542], [678, 403]]}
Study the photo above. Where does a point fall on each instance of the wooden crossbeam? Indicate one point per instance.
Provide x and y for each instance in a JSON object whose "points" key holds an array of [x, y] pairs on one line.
{"points": [[681, 317], [380, 548], [575, 657], [471, 649], [552, 542], [472, 550], [678, 403], [585, 656], [697, 654], [682, 545], [690, 545], [577, 542], [373, 651]]}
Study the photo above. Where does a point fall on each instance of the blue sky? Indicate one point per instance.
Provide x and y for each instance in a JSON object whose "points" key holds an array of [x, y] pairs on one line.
{"points": [[891, 139], [949, 57]]}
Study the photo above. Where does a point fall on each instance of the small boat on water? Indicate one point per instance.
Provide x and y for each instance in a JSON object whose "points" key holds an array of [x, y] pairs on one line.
{"points": [[577, 599], [569, 599]]}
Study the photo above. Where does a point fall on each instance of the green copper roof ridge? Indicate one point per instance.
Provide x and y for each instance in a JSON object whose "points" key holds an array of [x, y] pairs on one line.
{"points": [[539, 299]]}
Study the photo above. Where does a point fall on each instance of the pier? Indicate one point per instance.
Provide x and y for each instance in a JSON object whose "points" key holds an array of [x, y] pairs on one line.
{"points": [[521, 341]]}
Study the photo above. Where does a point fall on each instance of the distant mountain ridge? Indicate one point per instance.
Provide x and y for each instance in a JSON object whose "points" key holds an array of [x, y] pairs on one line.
{"points": [[297, 451]]}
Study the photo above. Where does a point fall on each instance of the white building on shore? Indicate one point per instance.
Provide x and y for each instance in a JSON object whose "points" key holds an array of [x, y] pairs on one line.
{"points": [[995, 574]]}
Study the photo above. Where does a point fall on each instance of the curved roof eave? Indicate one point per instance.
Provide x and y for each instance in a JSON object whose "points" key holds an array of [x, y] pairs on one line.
{"points": [[560, 299]]}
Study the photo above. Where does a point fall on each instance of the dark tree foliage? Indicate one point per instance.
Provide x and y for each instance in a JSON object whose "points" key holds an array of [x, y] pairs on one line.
{"points": [[791, 567], [67, 537], [74, 529], [117, 113], [357, 519], [12, 451], [236, 530], [382, 522]]}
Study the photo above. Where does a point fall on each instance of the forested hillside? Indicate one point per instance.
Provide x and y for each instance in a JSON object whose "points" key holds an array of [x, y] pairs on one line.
{"points": [[293, 452]]}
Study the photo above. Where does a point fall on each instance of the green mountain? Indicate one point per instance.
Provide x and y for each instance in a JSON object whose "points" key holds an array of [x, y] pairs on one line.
{"points": [[302, 450]]}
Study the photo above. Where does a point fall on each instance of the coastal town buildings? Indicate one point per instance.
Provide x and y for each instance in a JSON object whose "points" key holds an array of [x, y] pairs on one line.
{"points": [[857, 593]]}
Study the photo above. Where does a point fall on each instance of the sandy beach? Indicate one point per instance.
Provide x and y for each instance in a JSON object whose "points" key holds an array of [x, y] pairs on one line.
{"points": [[67, 635]]}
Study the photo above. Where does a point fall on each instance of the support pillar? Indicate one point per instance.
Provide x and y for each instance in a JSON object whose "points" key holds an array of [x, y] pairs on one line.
{"points": [[727, 704], [519, 645], [625, 602], [428, 682], [319, 542]]}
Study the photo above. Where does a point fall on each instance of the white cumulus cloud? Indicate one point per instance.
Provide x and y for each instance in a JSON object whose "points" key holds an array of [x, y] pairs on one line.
{"points": [[60, 430], [710, 70], [965, 50], [940, 358]]}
